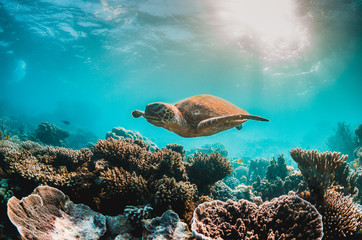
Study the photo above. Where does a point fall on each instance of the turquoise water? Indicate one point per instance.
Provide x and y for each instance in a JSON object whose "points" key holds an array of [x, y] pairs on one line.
{"points": [[297, 63]]}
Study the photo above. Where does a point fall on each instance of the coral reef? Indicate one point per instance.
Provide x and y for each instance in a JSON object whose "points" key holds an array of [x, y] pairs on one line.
{"points": [[49, 214], [318, 169], [343, 140], [221, 191], [121, 172], [122, 133], [257, 167], [276, 169], [286, 217], [50, 134], [210, 148], [204, 170]]}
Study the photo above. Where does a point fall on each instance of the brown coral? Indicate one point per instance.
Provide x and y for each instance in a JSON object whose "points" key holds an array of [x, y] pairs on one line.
{"points": [[206, 169], [125, 153], [168, 162], [118, 184], [170, 194], [341, 217], [286, 217], [318, 169]]}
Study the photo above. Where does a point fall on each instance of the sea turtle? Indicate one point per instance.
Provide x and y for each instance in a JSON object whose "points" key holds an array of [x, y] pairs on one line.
{"points": [[201, 115]]}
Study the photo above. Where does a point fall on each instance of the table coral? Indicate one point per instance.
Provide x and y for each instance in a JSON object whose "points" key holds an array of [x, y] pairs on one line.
{"points": [[318, 169], [286, 217]]}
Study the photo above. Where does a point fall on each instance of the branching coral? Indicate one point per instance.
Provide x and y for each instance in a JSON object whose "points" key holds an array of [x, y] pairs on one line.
{"points": [[204, 170], [177, 148], [122, 187], [286, 217], [168, 162], [257, 167], [170, 194], [341, 217], [123, 153], [277, 168], [318, 169]]}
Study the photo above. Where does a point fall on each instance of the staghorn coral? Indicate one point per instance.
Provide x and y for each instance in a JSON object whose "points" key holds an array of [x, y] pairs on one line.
{"points": [[168, 162], [341, 217], [66, 157], [318, 169], [51, 134], [121, 187], [286, 217], [31, 146], [204, 170], [177, 148], [125, 153], [170, 194]]}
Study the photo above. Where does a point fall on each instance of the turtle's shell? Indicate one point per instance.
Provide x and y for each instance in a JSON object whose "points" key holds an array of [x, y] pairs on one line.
{"points": [[198, 108]]}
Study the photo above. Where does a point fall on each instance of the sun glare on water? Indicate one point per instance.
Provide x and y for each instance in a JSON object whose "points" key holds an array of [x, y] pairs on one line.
{"points": [[270, 29]]}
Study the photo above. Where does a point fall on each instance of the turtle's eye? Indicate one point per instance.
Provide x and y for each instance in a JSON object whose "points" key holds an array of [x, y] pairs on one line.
{"points": [[196, 112]]}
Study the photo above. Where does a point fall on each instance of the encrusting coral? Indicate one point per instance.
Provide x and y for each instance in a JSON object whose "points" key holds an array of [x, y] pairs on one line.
{"points": [[286, 217], [318, 169]]}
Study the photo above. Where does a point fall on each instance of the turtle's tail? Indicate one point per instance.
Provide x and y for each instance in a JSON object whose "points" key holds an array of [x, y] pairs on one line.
{"points": [[138, 113]]}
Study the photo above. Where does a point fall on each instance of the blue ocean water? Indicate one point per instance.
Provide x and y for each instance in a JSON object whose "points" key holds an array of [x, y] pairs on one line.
{"points": [[297, 63]]}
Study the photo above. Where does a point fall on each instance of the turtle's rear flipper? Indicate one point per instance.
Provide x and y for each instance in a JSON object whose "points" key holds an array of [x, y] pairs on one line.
{"points": [[214, 122], [138, 113], [239, 127]]}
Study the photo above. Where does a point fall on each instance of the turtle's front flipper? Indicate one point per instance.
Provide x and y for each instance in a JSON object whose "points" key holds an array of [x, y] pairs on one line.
{"points": [[138, 113], [224, 120]]}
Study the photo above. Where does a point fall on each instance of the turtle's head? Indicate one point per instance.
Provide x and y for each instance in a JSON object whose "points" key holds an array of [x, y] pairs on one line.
{"points": [[162, 115]]}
